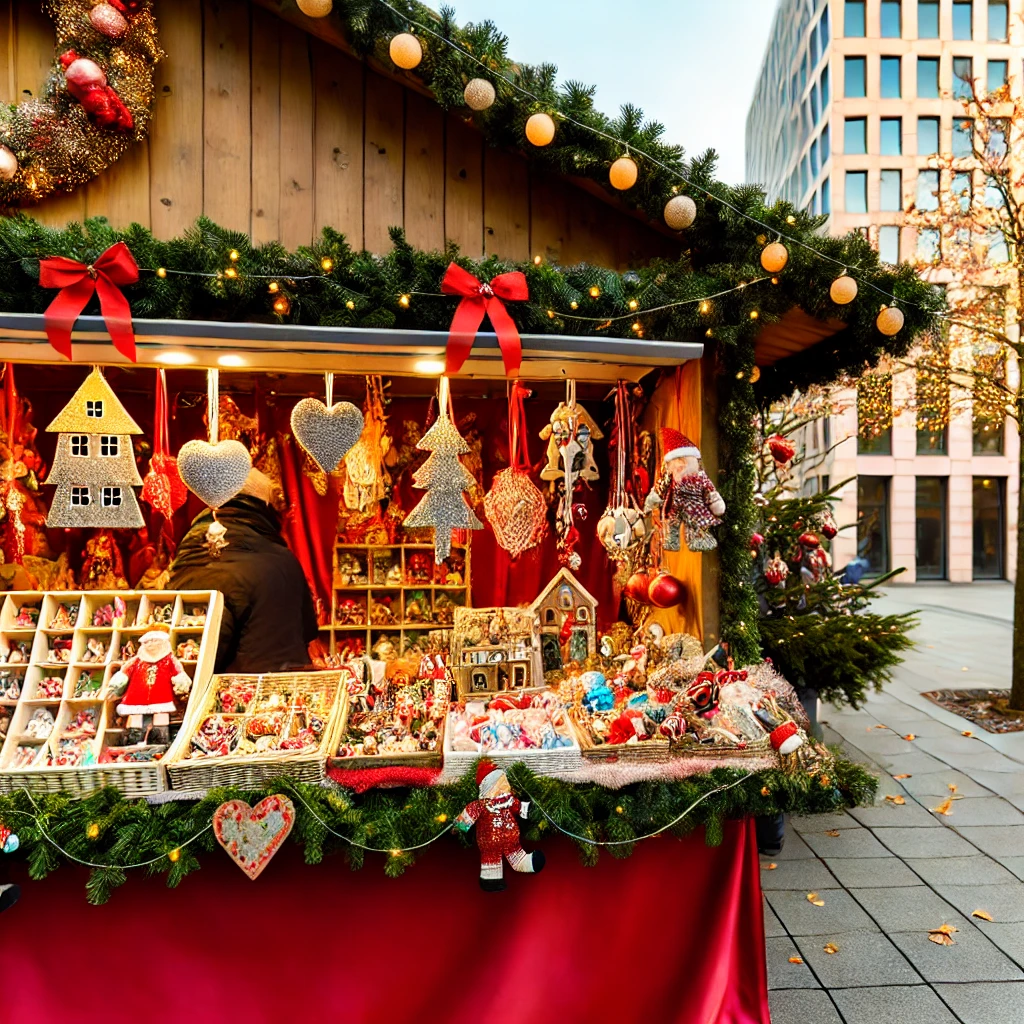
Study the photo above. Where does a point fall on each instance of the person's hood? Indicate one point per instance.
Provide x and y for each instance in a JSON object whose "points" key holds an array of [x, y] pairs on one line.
{"points": [[249, 522]]}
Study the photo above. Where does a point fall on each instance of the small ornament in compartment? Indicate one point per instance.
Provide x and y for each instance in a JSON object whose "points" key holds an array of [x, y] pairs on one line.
{"points": [[18, 654], [417, 606], [10, 685], [88, 684], [381, 611], [40, 725], [351, 571], [6, 714], [95, 652], [193, 618], [65, 617], [51, 687], [419, 567], [27, 618], [24, 756], [60, 651], [217, 736], [444, 609], [351, 611], [128, 650], [160, 613], [188, 650], [83, 725]]}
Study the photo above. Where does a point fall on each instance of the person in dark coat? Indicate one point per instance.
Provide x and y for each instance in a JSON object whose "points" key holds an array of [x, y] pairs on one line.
{"points": [[269, 619]]}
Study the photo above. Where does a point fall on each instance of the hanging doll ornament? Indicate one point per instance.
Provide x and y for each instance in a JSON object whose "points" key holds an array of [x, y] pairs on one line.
{"points": [[827, 523], [327, 433], [776, 571], [444, 478], [162, 487], [514, 505], [497, 832], [365, 483], [686, 496]]}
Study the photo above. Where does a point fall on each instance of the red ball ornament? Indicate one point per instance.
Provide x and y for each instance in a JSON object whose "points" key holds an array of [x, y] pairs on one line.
{"points": [[827, 523], [756, 540], [636, 587], [84, 74], [108, 21], [776, 571], [809, 540], [782, 448], [666, 591]]}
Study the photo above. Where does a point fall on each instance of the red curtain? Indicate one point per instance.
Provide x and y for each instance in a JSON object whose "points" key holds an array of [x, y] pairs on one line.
{"points": [[674, 934]]}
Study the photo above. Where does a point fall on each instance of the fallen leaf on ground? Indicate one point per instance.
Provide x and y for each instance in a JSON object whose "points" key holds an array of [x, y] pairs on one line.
{"points": [[770, 867], [943, 935], [796, 959], [946, 807], [896, 800], [833, 832], [966, 732], [910, 736], [983, 914], [879, 726], [952, 787], [830, 947], [812, 897], [903, 775]]}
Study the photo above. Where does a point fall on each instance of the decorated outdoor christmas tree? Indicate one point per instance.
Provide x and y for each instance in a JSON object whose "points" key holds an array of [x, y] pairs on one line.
{"points": [[444, 478], [815, 626], [94, 466]]}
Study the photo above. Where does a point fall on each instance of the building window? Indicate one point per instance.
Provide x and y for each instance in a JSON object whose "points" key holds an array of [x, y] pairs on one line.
{"points": [[989, 516], [962, 17], [998, 21], [891, 136], [80, 497], [814, 105], [963, 137], [855, 136], [110, 497], [962, 75], [891, 194], [110, 445], [927, 135], [998, 71], [993, 197], [995, 148], [928, 78], [995, 245], [961, 190], [927, 190], [874, 414], [928, 19], [931, 527], [856, 78], [927, 245], [826, 196], [890, 19], [825, 151], [823, 31], [80, 445], [854, 23], [856, 191], [889, 243], [813, 153], [890, 78], [873, 523], [932, 410], [824, 88], [94, 408], [804, 179]]}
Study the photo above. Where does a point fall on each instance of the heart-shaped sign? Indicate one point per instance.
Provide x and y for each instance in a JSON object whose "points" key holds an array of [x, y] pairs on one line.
{"points": [[327, 435], [252, 835], [214, 472]]}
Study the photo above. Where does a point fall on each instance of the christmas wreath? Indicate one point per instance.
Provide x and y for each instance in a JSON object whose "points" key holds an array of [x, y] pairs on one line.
{"points": [[95, 104]]}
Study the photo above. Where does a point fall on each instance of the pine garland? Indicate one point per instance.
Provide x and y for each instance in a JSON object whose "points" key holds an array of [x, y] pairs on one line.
{"points": [[109, 831]]}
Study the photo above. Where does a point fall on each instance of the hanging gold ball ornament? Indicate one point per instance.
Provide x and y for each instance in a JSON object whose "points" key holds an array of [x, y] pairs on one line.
{"points": [[479, 94], [8, 164], [623, 173], [315, 8], [890, 321], [843, 290], [680, 212], [406, 51], [774, 257], [540, 129]]}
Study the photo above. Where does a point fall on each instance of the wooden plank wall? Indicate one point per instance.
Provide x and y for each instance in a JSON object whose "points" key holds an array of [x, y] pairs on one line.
{"points": [[272, 132]]}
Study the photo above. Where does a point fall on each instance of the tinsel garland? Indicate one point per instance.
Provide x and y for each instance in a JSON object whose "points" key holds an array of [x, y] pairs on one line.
{"points": [[57, 146], [108, 830]]}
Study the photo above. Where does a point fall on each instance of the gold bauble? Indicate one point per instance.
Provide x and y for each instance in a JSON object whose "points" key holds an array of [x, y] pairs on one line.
{"points": [[774, 257], [479, 94], [680, 212], [540, 129], [315, 8], [406, 51], [755, 374], [623, 173], [890, 321], [8, 164], [843, 290]]}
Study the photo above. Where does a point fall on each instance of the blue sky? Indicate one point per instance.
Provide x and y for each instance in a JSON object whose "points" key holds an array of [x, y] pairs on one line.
{"points": [[690, 64]]}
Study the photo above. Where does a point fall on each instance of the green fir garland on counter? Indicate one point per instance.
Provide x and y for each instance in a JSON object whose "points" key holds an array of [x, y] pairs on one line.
{"points": [[171, 838]]}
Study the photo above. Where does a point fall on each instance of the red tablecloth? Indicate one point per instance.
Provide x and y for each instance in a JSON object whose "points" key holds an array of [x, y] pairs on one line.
{"points": [[672, 935]]}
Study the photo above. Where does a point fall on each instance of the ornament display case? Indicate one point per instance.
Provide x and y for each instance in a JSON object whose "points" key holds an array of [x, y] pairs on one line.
{"points": [[66, 648], [394, 593]]}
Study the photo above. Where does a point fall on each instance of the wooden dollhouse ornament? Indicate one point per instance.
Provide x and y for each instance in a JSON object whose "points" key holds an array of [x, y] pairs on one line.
{"points": [[94, 466], [495, 649], [567, 614]]}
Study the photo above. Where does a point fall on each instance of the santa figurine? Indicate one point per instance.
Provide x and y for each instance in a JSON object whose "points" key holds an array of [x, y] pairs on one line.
{"points": [[685, 494], [149, 685], [497, 832]]}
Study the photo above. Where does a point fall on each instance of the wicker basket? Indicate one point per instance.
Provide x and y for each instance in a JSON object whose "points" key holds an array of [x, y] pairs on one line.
{"points": [[396, 759], [541, 762], [654, 749], [251, 771]]}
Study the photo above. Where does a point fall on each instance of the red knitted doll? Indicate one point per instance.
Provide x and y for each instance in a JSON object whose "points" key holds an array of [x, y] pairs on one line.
{"points": [[497, 832]]}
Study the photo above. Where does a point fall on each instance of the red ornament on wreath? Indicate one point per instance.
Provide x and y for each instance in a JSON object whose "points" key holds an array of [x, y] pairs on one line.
{"points": [[87, 82], [782, 449]]}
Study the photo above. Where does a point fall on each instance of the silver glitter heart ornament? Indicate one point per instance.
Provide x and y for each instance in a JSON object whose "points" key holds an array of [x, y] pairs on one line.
{"points": [[326, 435], [214, 472]]}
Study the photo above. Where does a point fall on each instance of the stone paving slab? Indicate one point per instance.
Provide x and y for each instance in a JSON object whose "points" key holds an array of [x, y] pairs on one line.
{"points": [[916, 1004], [938, 871], [794, 848], [1003, 783], [857, 842], [915, 762], [1009, 938], [821, 822], [890, 815], [924, 842], [1004, 901], [936, 784], [773, 927], [986, 1004], [839, 915], [996, 840], [796, 1006], [864, 958], [982, 810], [982, 760], [870, 872], [797, 874], [973, 958], [1014, 864], [904, 909], [783, 974]]}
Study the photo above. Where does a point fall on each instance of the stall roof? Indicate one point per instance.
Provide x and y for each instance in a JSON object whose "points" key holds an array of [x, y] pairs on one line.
{"points": [[796, 332], [286, 348]]}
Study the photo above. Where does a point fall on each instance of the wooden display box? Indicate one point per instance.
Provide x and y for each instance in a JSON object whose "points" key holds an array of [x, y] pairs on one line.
{"points": [[57, 685]]}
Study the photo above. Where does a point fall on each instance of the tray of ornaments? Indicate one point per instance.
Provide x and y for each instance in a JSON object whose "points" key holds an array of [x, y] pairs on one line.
{"points": [[530, 726], [252, 729], [396, 715], [72, 668]]}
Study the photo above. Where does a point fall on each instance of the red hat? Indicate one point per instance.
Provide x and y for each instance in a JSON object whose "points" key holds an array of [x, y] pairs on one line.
{"points": [[677, 445], [487, 775]]}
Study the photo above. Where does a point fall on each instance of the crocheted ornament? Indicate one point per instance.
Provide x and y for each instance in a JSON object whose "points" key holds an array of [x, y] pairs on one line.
{"points": [[327, 435]]}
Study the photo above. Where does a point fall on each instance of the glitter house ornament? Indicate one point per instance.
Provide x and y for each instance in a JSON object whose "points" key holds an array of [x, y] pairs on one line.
{"points": [[94, 466], [680, 212], [444, 478]]}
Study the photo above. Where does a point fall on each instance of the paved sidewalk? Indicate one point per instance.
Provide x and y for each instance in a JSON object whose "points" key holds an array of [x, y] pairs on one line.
{"points": [[888, 874]]}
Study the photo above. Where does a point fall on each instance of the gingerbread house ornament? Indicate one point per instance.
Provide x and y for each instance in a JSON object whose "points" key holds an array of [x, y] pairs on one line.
{"points": [[567, 615], [94, 466]]}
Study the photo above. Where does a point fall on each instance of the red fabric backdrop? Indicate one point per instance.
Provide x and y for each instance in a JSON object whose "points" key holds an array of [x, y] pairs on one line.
{"points": [[673, 935]]}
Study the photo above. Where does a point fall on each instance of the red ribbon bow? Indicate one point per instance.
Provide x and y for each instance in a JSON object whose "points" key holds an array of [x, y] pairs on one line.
{"points": [[77, 282], [479, 300]]}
